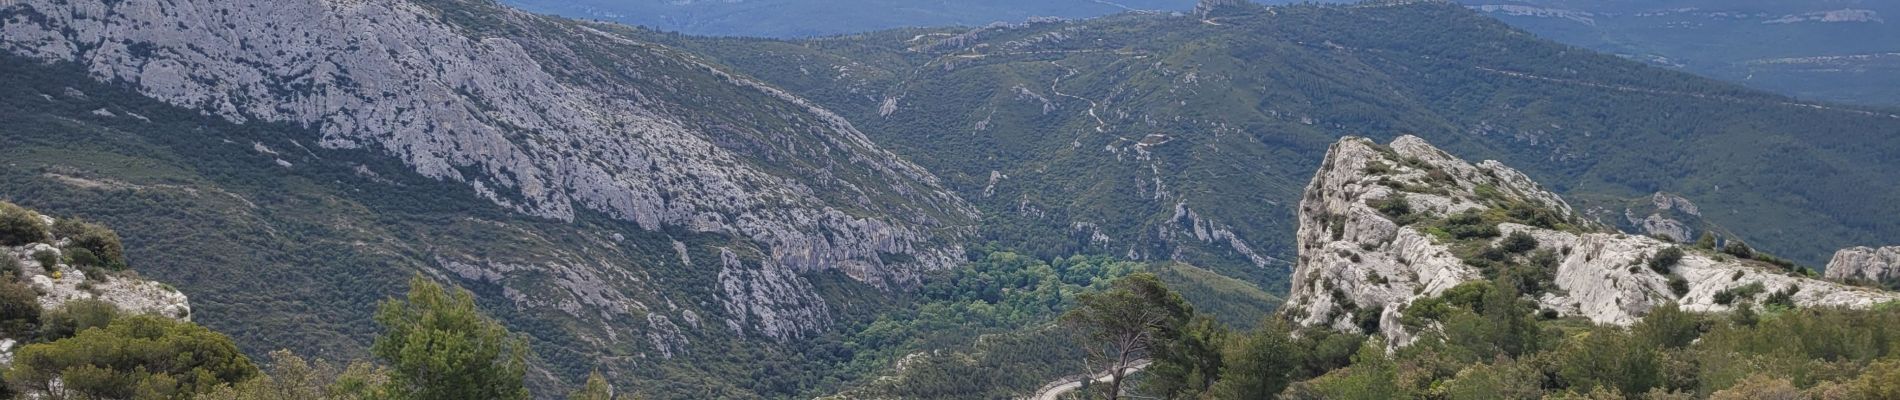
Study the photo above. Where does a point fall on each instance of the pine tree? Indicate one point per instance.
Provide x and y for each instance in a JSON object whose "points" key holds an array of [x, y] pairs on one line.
{"points": [[440, 347]]}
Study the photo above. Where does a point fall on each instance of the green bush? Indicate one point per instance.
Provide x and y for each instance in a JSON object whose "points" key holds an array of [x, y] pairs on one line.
{"points": [[48, 259], [1608, 358], [1395, 206], [141, 356], [79, 256], [19, 309], [11, 267], [104, 244], [1470, 225], [19, 226], [1518, 242], [1728, 296], [1739, 250], [76, 316], [1783, 298], [1665, 259]]}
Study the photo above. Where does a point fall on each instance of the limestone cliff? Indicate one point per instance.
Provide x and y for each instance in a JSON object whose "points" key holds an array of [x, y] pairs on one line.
{"points": [[1880, 265], [1383, 226], [550, 117]]}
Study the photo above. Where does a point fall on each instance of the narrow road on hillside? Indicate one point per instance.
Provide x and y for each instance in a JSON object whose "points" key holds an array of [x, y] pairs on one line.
{"points": [[1059, 387]]}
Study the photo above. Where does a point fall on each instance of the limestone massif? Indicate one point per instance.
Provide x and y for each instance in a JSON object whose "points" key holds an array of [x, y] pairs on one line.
{"points": [[1373, 239], [551, 118], [548, 117]]}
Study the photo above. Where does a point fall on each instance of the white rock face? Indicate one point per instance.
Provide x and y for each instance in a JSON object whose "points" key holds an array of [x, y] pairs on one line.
{"points": [[534, 122], [781, 304], [1355, 259], [1865, 263]]}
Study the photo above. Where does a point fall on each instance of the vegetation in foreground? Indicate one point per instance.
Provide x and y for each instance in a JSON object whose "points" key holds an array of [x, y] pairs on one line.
{"points": [[1486, 341]]}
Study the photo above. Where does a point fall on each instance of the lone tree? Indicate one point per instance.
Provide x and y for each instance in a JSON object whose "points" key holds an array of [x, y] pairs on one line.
{"points": [[440, 347], [1125, 325]]}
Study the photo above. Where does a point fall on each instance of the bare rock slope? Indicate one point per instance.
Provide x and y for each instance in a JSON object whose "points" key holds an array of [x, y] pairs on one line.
{"points": [[550, 117], [1383, 226]]}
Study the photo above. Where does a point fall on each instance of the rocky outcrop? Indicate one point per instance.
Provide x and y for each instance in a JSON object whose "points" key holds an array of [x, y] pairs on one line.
{"points": [[1374, 236], [63, 282], [1662, 215], [1880, 265], [554, 119]]}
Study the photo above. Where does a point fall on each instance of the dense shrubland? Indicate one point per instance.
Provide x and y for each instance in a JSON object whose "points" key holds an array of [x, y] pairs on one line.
{"points": [[1485, 341]]}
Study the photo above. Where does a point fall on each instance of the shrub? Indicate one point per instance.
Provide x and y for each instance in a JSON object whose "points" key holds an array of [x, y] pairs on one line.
{"points": [[1728, 296], [11, 266], [1395, 206], [76, 316], [1609, 359], [142, 356], [1665, 259], [81, 257], [105, 244], [1470, 225], [47, 259], [1378, 168], [1739, 250], [1535, 216], [19, 226], [1783, 298], [1544, 259], [1368, 319], [1880, 381], [19, 309], [1679, 286], [1744, 315], [1518, 242]]}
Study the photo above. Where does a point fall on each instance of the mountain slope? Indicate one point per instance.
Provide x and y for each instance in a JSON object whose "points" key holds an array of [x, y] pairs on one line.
{"points": [[634, 209], [1176, 137], [807, 18], [536, 114]]}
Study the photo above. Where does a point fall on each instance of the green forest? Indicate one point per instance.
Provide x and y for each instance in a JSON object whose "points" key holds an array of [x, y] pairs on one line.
{"points": [[1070, 118]]}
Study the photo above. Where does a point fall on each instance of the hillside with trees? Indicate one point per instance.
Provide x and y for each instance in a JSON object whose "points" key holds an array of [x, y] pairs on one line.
{"points": [[1187, 138]]}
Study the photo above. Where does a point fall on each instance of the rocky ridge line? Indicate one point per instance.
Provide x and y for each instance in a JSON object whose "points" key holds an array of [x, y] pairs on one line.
{"points": [[1356, 257]]}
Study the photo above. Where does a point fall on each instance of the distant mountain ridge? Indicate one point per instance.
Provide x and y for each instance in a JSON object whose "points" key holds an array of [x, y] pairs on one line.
{"points": [[1830, 51], [1182, 137], [811, 18]]}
